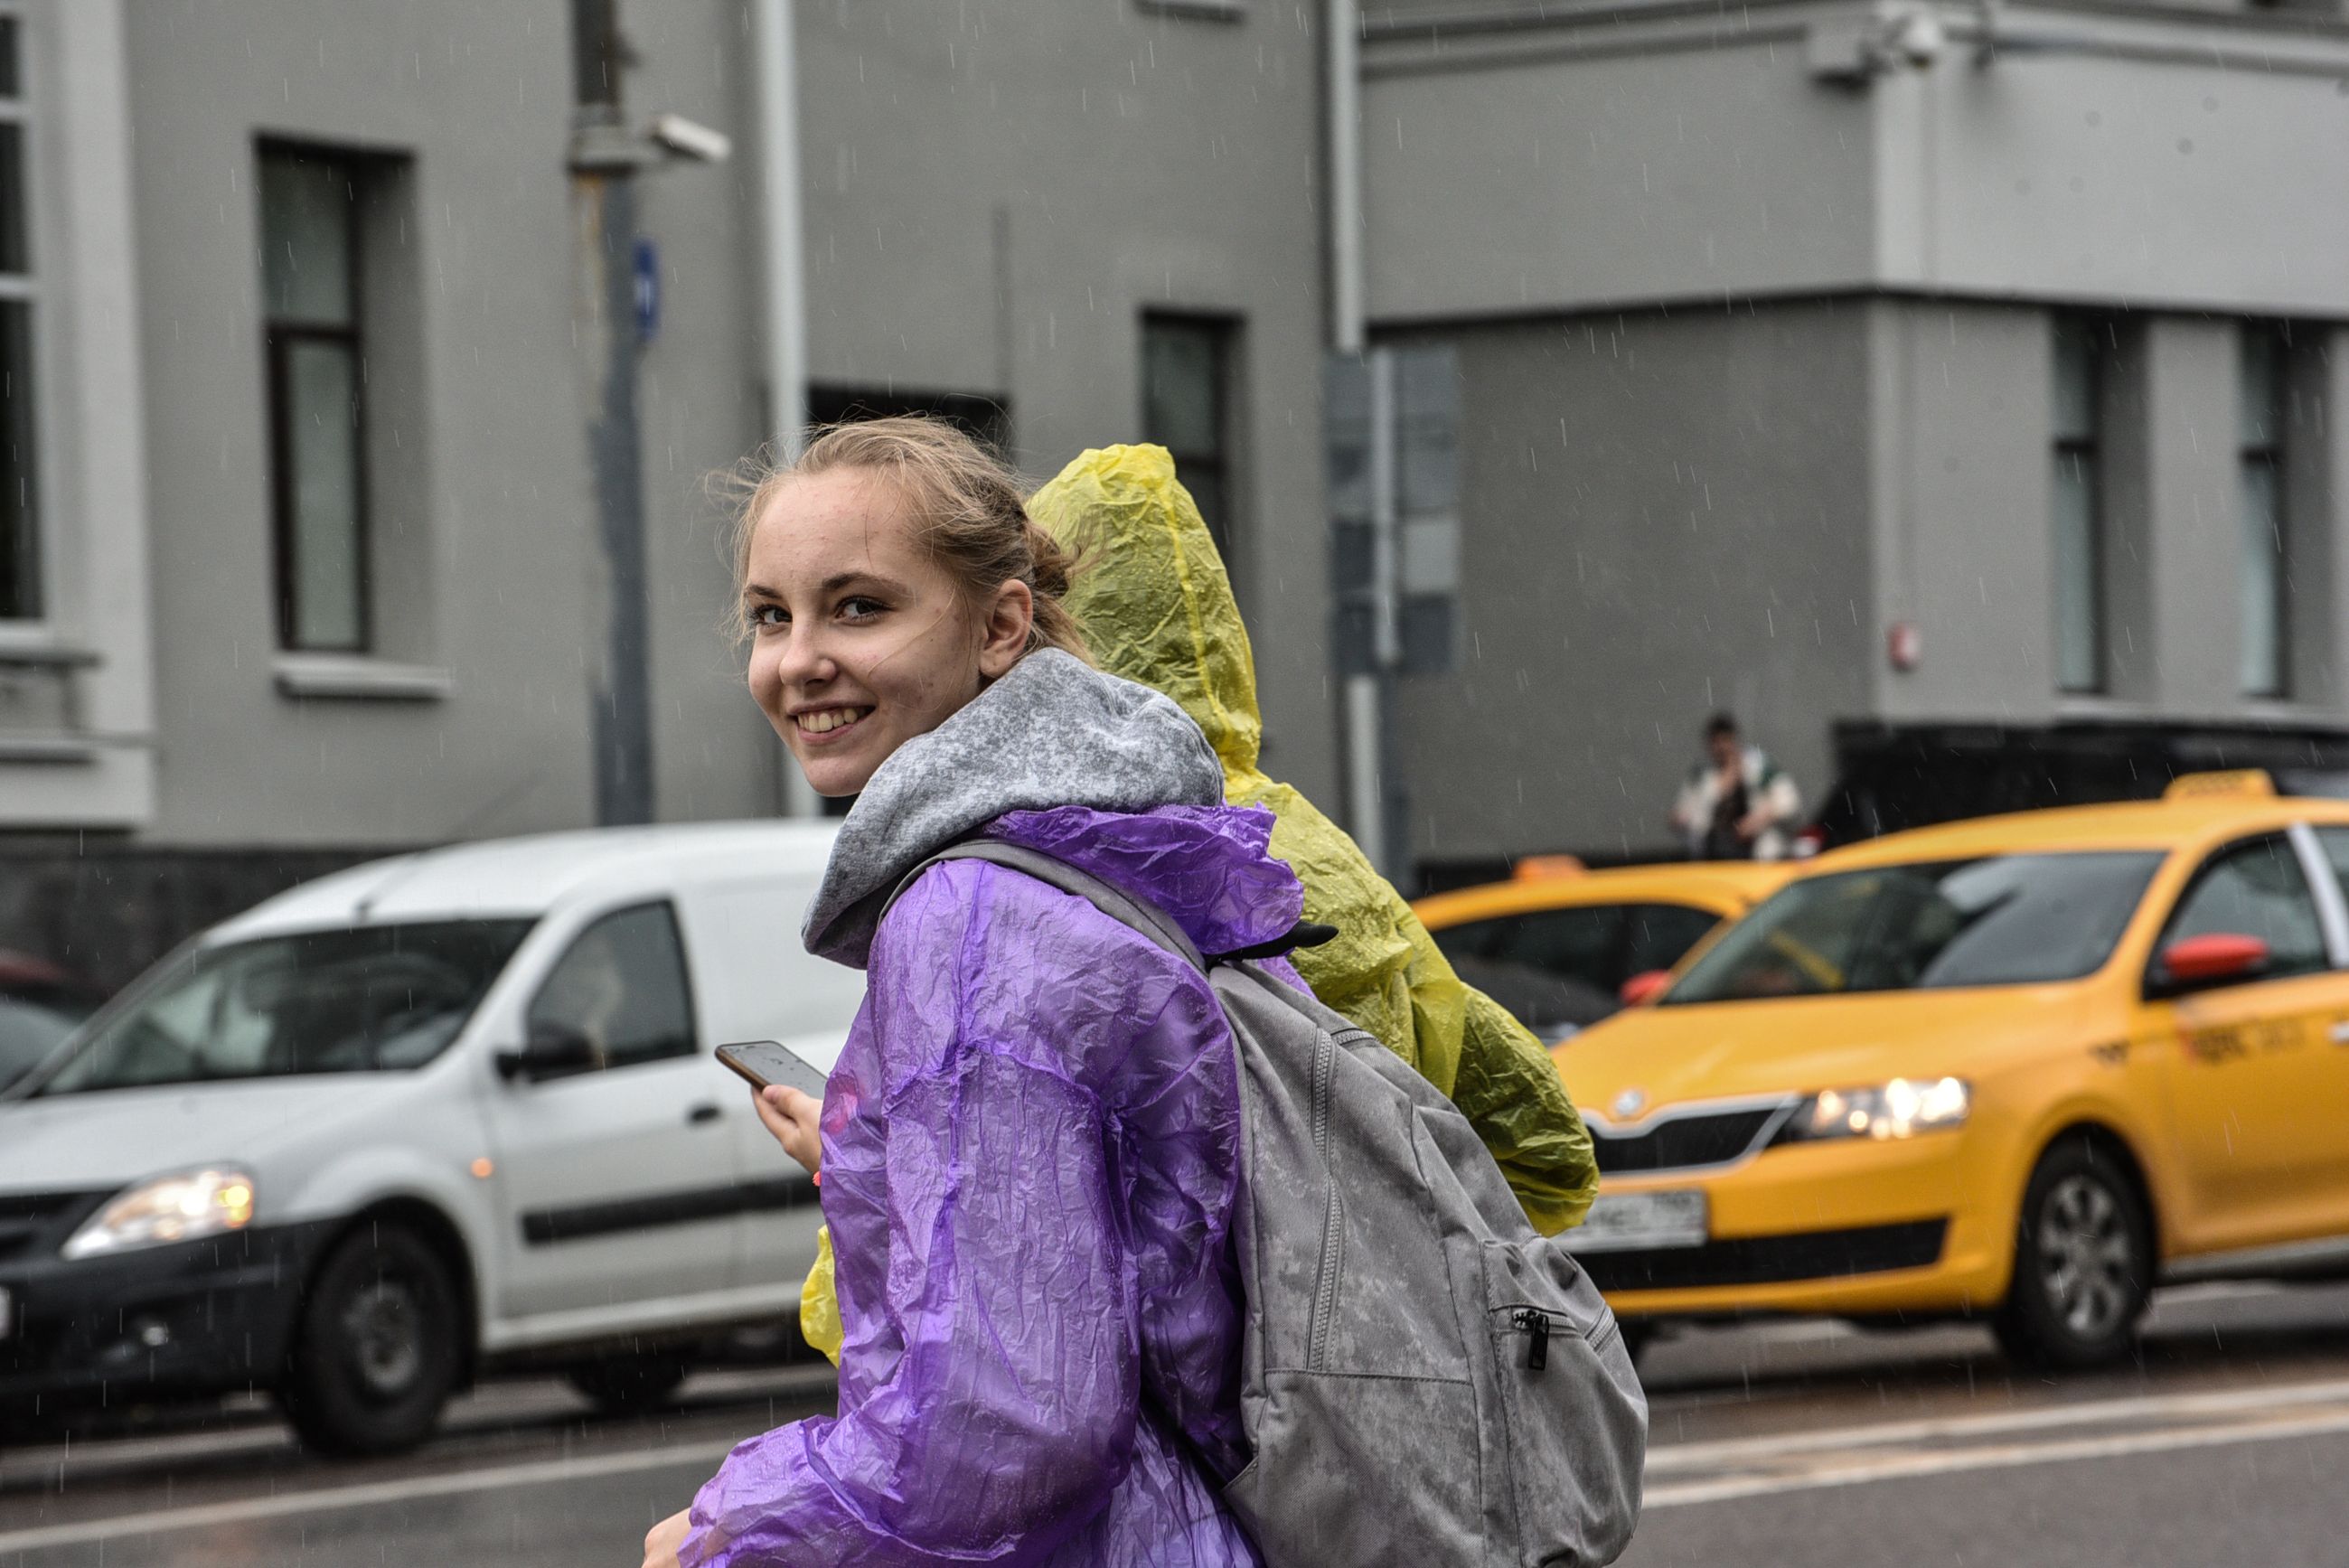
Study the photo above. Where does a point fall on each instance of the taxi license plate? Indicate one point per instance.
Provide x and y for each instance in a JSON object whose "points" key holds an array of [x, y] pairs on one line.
{"points": [[1628, 1221]]}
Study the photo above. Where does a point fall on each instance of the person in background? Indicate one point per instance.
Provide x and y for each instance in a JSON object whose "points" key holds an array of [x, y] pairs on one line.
{"points": [[1737, 804]]}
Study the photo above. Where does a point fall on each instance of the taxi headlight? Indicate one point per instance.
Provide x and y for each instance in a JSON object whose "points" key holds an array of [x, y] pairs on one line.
{"points": [[1901, 1109], [180, 1207]]}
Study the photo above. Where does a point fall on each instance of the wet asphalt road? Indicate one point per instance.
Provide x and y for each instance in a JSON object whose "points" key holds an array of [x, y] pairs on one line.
{"points": [[1778, 1444]]}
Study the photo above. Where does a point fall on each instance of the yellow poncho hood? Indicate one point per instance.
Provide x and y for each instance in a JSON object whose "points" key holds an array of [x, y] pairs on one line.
{"points": [[1156, 606]]}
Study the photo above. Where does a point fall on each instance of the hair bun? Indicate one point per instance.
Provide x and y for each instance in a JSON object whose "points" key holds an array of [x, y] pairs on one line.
{"points": [[1054, 564]]}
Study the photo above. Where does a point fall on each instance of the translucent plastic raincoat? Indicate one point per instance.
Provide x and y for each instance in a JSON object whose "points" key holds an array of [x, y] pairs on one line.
{"points": [[1157, 607], [1030, 1158]]}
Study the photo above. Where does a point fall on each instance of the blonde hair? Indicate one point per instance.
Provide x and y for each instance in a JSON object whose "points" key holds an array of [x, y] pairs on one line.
{"points": [[965, 503]]}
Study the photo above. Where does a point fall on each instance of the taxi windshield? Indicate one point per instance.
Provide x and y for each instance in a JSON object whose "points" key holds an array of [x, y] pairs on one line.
{"points": [[360, 1000], [1999, 920]]}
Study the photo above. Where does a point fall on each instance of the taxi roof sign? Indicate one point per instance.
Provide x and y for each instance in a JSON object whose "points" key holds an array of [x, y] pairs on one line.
{"points": [[1541, 868], [2249, 783]]}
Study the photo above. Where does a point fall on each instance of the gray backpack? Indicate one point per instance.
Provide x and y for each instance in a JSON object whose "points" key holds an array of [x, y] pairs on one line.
{"points": [[1425, 1380]]}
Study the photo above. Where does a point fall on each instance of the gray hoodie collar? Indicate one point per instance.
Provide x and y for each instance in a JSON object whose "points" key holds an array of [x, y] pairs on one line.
{"points": [[1054, 731]]}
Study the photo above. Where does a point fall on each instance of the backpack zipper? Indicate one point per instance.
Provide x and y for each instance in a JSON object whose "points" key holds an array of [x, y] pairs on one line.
{"points": [[1536, 1322]]}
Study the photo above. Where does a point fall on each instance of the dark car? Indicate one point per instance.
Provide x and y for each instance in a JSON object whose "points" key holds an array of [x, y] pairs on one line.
{"points": [[1890, 778]]}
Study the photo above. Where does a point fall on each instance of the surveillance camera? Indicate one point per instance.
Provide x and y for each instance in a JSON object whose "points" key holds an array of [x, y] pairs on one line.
{"points": [[676, 135], [1918, 39]]}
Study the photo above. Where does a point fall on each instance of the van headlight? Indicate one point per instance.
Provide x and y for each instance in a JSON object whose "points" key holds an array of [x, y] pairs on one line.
{"points": [[180, 1207], [1901, 1109]]}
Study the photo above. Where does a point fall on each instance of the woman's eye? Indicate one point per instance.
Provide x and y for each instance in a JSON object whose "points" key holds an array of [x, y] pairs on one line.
{"points": [[770, 615], [860, 609]]}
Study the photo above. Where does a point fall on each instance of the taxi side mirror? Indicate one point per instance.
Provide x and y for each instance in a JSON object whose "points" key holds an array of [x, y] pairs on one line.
{"points": [[1644, 988], [2202, 962]]}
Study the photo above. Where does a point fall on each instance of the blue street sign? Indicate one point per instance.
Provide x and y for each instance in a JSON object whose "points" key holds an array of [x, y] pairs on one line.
{"points": [[647, 290]]}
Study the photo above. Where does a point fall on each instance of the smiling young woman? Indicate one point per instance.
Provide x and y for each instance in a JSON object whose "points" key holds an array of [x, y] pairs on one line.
{"points": [[1030, 1144], [887, 576]]}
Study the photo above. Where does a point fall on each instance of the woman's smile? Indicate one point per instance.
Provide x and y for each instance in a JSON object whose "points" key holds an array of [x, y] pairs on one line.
{"points": [[820, 726]]}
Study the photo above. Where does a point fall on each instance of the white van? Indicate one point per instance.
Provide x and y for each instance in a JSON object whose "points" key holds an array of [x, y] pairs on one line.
{"points": [[427, 1116]]}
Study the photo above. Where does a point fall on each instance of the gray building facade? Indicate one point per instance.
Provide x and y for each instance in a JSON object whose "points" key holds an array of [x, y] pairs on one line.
{"points": [[1741, 351], [1833, 363], [309, 565]]}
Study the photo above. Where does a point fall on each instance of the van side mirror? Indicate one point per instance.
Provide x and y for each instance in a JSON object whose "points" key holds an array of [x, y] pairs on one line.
{"points": [[551, 1051], [2203, 962]]}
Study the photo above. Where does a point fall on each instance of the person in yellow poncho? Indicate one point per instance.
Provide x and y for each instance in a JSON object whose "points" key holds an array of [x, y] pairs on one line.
{"points": [[1156, 606]]}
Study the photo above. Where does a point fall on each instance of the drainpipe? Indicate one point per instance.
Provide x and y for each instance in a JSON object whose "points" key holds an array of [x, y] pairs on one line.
{"points": [[603, 162], [1368, 694], [776, 63], [1345, 203]]}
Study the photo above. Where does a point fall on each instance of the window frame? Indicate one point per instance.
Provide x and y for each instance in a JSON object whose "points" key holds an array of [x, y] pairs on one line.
{"points": [[2301, 847], [25, 288], [2086, 451], [1224, 331], [2270, 454], [278, 339], [570, 943]]}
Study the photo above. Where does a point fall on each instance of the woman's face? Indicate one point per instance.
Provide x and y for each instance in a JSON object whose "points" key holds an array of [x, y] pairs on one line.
{"points": [[860, 641]]}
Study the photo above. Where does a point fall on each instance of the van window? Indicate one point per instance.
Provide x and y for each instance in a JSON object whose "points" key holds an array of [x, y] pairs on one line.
{"points": [[621, 987], [361, 1000]]}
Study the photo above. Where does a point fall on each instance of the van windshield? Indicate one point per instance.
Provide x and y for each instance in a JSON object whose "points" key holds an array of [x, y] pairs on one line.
{"points": [[365, 1000], [2001, 919]]}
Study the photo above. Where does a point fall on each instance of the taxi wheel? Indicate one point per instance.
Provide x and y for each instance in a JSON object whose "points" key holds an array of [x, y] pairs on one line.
{"points": [[2083, 1261], [377, 1353]]}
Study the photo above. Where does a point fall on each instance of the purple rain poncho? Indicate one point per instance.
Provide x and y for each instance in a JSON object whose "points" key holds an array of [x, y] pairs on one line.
{"points": [[1031, 1159]]}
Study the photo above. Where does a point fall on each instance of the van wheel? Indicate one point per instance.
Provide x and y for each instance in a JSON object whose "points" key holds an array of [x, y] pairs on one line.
{"points": [[628, 1385], [377, 1352], [2082, 1262]]}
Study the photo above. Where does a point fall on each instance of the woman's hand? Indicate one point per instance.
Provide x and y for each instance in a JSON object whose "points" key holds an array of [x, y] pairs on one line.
{"points": [[791, 1117], [663, 1540]]}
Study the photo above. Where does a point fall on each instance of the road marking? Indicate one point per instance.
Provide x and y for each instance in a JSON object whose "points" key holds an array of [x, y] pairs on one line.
{"points": [[1670, 1456], [196, 1517], [1858, 1456], [1910, 1466], [1849, 1456]]}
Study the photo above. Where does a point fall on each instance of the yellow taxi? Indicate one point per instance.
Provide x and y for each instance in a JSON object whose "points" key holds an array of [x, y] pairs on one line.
{"points": [[2021, 1067], [1558, 944]]}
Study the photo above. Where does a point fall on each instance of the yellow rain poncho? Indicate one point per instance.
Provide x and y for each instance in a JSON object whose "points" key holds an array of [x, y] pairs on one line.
{"points": [[1156, 606]]}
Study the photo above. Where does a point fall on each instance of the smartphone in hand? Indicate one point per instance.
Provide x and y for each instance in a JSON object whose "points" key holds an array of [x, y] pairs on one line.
{"points": [[765, 1062]]}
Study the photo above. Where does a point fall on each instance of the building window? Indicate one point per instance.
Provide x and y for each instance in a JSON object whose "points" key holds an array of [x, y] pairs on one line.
{"points": [[1186, 407], [2079, 505], [310, 209], [1427, 504], [982, 416], [2259, 411], [20, 524], [1395, 475]]}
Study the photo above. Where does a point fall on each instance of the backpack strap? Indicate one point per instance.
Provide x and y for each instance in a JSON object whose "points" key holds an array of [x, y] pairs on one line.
{"points": [[1118, 905], [1113, 901]]}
